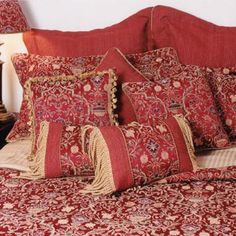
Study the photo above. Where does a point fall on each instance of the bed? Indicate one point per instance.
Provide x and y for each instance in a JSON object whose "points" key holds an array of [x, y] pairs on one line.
{"points": [[162, 166]]}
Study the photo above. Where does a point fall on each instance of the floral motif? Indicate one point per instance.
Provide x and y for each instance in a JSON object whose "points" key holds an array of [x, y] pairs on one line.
{"points": [[12, 17], [223, 84], [56, 206], [180, 90]]}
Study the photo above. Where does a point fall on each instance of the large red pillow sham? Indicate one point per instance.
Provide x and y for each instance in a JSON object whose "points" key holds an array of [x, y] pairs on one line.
{"points": [[133, 155], [183, 90], [130, 35], [197, 41], [223, 84]]}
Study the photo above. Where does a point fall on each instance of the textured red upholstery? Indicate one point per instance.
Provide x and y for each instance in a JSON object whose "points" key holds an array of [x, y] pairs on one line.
{"points": [[130, 36], [196, 41]]}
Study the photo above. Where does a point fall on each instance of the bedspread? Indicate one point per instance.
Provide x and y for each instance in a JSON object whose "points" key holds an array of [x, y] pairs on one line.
{"points": [[201, 203]]}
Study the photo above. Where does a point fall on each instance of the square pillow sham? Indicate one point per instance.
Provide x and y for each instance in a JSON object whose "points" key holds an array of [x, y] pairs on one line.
{"points": [[181, 89], [30, 65], [135, 154]]}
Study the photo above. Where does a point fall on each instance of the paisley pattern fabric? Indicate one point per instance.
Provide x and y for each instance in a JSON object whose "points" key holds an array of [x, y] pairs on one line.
{"points": [[133, 155], [180, 90], [205, 205], [12, 17], [30, 65], [223, 83], [59, 153]]}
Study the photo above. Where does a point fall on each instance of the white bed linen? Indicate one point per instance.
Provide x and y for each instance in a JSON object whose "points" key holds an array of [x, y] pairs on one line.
{"points": [[217, 158], [14, 155]]}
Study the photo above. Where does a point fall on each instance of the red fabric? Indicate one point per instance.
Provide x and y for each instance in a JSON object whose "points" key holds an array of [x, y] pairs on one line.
{"points": [[197, 41], [202, 203], [180, 90], [64, 155], [223, 84], [121, 169], [130, 36], [52, 163], [126, 73], [140, 154]]}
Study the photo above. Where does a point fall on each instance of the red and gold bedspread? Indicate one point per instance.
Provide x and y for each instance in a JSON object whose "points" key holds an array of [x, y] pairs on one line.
{"points": [[202, 203]]}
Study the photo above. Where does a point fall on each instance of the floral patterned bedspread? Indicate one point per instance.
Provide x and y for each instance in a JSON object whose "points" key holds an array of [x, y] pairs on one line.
{"points": [[201, 203]]}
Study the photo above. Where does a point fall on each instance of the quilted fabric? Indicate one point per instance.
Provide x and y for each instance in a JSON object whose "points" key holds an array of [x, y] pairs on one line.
{"points": [[59, 153], [223, 83], [192, 203], [180, 90], [197, 41], [130, 35], [30, 65], [134, 155]]}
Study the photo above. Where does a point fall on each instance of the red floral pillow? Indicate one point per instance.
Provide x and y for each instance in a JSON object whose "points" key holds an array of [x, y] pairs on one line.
{"points": [[59, 153], [180, 90], [223, 84], [29, 65], [132, 155], [72, 100]]}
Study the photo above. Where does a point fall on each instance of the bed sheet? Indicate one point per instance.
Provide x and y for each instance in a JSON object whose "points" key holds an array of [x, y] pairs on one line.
{"points": [[201, 203]]}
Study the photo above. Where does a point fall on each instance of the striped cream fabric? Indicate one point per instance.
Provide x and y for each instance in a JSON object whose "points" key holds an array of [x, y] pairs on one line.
{"points": [[217, 158]]}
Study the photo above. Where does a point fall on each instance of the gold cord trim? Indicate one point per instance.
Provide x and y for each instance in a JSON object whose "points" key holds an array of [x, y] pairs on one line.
{"points": [[187, 133], [98, 152]]}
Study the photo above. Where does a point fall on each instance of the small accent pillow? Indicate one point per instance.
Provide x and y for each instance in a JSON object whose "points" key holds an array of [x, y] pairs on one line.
{"points": [[143, 64], [72, 100], [180, 90], [59, 153], [130, 35], [133, 155], [223, 84], [197, 41], [29, 65]]}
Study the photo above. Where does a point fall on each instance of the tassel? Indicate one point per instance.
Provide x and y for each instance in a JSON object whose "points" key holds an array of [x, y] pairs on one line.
{"points": [[37, 168], [100, 157], [188, 138]]}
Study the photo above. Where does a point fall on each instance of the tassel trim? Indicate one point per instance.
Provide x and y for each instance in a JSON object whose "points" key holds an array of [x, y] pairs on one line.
{"points": [[98, 152], [37, 168], [188, 138]]}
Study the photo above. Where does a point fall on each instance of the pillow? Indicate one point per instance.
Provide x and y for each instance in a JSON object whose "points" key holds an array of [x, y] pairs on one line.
{"points": [[133, 155], [71, 100], [197, 41], [125, 72], [180, 90], [130, 35], [59, 153], [29, 65], [223, 84]]}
